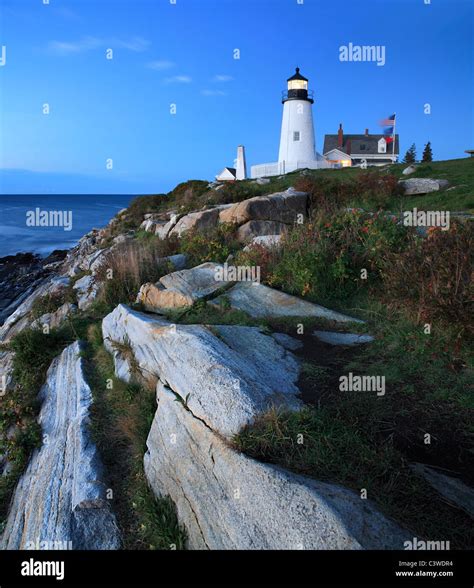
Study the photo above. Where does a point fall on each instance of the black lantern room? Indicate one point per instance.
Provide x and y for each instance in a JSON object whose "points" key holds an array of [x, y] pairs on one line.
{"points": [[297, 88]]}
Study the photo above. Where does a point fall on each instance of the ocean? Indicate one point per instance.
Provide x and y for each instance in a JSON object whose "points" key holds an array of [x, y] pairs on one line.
{"points": [[21, 215]]}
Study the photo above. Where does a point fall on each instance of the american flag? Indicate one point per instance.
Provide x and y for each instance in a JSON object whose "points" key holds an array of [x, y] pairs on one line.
{"points": [[389, 124]]}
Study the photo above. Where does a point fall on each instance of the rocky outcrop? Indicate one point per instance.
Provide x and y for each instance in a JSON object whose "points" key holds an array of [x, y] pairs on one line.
{"points": [[254, 229], [61, 497], [226, 375], [210, 382], [86, 289], [451, 489], [260, 301], [6, 385], [182, 288], [201, 220], [21, 318], [78, 255], [283, 207], [266, 241], [21, 274], [227, 500], [346, 339], [52, 320], [409, 170], [414, 186], [267, 214]]}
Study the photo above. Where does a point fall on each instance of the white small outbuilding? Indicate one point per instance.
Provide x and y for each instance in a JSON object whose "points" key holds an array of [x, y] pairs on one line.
{"points": [[228, 174], [239, 172]]}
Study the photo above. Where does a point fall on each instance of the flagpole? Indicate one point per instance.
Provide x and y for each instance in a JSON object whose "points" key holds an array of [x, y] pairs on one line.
{"points": [[394, 136]]}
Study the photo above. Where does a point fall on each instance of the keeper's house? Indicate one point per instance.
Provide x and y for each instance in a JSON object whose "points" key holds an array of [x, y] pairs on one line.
{"points": [[347, 150]]}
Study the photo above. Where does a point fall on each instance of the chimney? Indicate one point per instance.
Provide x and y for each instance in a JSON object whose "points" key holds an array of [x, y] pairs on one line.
{"points": [[340, 136], [366, 132], [348, 146], [241, 164]]}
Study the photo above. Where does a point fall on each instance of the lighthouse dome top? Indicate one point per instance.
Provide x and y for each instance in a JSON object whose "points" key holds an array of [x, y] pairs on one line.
{"points": [[297, 88], [297, 76]]}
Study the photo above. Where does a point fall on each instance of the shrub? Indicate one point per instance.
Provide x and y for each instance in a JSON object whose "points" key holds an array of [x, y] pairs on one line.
{"points": [[129, 267], [213, 245], [34, 352], [434, 275], [188, 195], [142, 205], [375, 189], [326, 195], [136, 210], [259, 256], [52, 302], [324, 259], [236, 192]]}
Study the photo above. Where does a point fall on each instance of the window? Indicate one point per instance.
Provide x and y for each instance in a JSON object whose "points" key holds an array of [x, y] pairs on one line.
{"points": [[296, 136], [362, 146]]}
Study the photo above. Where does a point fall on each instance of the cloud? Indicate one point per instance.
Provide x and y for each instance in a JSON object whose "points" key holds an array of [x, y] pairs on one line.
{"points": [[178, 80], [136, 44], [222, 78], [160, 64], [68, 48], [213, 93]]}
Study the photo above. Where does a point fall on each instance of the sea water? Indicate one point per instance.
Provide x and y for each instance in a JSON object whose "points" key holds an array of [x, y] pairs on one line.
{"points": [[84, 212]]}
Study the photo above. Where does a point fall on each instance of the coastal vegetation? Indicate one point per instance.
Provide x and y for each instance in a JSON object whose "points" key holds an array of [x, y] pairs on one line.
{"points": [[413, 290]]}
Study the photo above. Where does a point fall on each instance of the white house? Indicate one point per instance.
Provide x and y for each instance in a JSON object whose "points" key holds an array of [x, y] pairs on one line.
{"points": [[346, 150]]}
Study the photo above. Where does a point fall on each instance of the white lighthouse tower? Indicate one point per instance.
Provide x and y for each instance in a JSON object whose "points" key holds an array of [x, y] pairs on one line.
{"points": [[297, 142]]}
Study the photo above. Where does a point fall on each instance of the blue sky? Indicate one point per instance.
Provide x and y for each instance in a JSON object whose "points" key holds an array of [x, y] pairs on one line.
{"points": [[183, 54]]}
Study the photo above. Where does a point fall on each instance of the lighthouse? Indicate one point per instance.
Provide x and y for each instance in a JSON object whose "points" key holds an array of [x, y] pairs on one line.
{"points": [[297, 142]]}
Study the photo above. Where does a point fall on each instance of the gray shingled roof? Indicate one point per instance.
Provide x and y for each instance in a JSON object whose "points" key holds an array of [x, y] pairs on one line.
{"points": [[370, 142]]}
